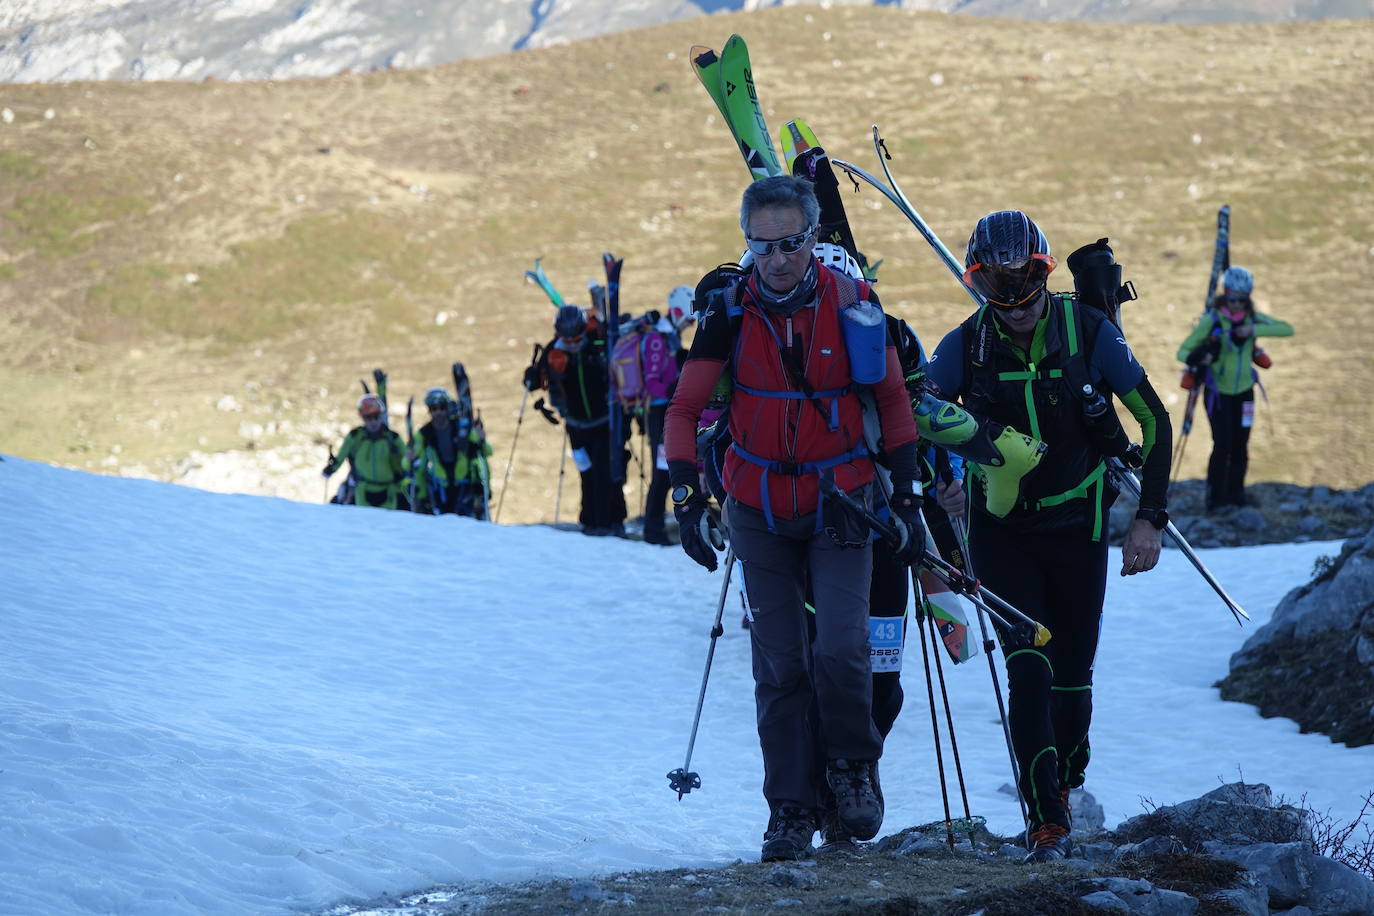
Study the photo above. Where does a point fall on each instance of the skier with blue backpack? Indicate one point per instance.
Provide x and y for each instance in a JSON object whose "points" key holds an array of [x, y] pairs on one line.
{"points": [[795, 415]]}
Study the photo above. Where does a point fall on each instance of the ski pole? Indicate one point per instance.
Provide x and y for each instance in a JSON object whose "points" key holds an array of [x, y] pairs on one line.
{"points": [[683, 780], [1129, 481], [949, 717], [1184, 429], [510, 462], [947, 572], [934, 719], [514, 440], [562, 464]]}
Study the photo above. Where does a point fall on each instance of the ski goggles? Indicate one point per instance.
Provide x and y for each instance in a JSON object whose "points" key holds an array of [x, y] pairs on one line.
{"points": [[1011, 285], [762, 248]]}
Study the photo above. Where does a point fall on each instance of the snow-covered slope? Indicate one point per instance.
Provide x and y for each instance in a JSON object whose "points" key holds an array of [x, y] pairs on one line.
{"points": [[235, 704], [57, 40]]}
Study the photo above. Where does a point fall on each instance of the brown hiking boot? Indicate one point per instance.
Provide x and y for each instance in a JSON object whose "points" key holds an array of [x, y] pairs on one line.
{"points": [[860, 808]]}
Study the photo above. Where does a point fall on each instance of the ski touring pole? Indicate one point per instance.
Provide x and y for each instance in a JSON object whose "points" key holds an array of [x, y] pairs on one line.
{"points": [[683, 780], [949, 712], [934, 718], [562, 466], [510, 462], [944, 570], [1129, 481]]}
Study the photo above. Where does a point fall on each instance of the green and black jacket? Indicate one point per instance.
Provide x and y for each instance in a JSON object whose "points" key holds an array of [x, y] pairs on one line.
{"points": [[1038, 393]]}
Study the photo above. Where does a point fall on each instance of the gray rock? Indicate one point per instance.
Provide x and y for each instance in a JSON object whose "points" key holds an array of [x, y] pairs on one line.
{"points": [[1249, 519], [1251, 898], [1095, 852], [1088, 816], [790, 876], [1009, 851], [1320, 494], [1283, 869], [1153, 846], [1339, 890], [1338, 604], [788, 901], [1105, 901], [586, 892], [1201, 819], [1295, 911], [1242, 793], [1173, 903]]}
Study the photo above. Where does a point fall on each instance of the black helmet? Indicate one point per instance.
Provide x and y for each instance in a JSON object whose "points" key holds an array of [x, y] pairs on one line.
{"points": [[1008, 258], [569, 322]]}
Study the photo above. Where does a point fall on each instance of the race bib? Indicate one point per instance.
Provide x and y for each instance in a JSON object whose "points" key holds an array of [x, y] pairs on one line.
{"points": [[885, 643], [582, 460]]}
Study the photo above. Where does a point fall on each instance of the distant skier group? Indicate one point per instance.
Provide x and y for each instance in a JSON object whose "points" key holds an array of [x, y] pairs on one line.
{"points": [[441, 469]]}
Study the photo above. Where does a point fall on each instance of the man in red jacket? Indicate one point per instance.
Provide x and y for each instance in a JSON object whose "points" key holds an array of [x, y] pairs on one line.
{"points": [[796, 416]]}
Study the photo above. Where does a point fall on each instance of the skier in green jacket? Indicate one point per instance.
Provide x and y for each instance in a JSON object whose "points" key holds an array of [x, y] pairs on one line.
{"points": [[1222, 352], [377, 455], [452, 475]]}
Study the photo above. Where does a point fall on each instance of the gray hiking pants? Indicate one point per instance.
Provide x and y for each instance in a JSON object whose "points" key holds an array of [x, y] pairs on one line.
{"points": [[776, 568]]}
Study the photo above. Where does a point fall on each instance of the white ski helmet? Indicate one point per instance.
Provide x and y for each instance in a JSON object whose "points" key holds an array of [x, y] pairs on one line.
{"points": [[1238, 280], [680, 302], [836, 257]]}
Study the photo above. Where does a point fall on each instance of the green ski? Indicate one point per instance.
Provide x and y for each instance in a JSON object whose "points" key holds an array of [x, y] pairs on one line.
{"points": [[729, 80], [537, 276]]}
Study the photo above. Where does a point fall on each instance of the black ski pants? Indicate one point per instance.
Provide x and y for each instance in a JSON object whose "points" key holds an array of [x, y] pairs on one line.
{"points": [[603, 501], [1060, 581], [656, 502], [789, 668], [1231, 420]]}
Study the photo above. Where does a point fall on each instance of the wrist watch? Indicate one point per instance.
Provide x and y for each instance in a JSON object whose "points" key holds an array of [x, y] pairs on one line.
{"points": [[681, 493], [1157, 517]]}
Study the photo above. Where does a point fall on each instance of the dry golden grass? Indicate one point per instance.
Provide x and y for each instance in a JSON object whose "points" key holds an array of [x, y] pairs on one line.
{"points": [[329, 221]]}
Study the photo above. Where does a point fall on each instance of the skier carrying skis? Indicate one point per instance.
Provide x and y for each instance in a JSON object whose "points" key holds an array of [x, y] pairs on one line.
{"points": [[663, 359], [451, 468], [795, 415], [1024, 360], [573, 369], [377, 457], [1222, 352]]}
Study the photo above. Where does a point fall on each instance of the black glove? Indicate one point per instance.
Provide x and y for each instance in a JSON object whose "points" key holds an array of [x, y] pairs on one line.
{"points": [[531, 379], [699, 533], [1205, 353], [906, 511]]}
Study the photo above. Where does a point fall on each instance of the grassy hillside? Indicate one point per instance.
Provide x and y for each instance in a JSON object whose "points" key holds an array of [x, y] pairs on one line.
{"points": [[165, 245]]}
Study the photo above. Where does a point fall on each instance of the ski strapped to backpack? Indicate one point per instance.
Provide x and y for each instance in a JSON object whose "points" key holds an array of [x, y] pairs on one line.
{"points": [[729, 79]]}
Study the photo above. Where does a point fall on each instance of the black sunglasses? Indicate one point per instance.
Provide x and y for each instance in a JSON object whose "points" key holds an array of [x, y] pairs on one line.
{"points": [[762, 248]]}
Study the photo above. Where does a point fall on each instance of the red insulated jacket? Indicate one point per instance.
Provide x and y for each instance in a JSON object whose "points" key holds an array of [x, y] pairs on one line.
{"points": [[771, 421]]}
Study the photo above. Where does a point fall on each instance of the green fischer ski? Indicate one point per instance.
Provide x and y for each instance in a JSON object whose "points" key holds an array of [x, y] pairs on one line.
{"points": [[729, 80], [537, 276]]}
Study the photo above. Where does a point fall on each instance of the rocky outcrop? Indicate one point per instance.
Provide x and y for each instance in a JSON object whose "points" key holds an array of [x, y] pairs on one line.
{"points": [[1313, 662], [1276, 513]]}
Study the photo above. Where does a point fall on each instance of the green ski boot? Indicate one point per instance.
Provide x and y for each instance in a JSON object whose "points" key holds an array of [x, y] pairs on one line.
{"points": [[1004, 457]]}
